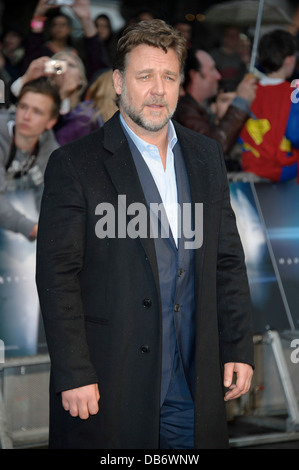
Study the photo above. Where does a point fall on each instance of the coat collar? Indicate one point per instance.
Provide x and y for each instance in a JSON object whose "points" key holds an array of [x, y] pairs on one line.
{"points": [[125, 174]]}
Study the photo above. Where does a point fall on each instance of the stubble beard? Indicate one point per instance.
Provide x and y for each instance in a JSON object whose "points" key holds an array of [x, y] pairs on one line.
{"points": [[137, 116]]}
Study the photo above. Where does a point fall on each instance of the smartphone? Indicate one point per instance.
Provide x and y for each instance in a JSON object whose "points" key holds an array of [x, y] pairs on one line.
{"points": [[55, 67]]}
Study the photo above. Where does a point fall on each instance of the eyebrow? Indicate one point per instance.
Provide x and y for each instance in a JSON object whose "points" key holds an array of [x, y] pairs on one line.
{"points": [[168, 72], [34, 108]]}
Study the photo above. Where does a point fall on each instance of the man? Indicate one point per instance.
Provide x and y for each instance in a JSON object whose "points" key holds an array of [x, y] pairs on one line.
{"points": [[270, 141], [134, 319], [201, 84], [26, 143]]}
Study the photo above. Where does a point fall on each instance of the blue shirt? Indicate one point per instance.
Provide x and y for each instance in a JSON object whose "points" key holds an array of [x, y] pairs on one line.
{"points": [[165, 179]]}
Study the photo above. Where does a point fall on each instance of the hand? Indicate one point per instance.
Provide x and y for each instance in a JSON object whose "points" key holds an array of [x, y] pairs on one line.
{"points": [[81, 401], [81, 9], [244, 374], [42, 8], [247, 88], [36, 69], [33, 233]]}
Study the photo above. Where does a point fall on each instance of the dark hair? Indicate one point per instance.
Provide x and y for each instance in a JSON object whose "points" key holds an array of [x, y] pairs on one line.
{"points": [[191, 63], [102, 16], [155, 33], [58, 15], [41, 85], [273, 48]]}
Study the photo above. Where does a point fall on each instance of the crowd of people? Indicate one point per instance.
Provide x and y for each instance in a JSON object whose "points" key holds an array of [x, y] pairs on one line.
{"points": [[254, 121]]}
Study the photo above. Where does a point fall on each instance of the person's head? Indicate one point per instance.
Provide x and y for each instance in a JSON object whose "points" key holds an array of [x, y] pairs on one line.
{"points": [[144, 14], [60, 27], [277, 49], [185, 28], [102, 93], [148, 68], [73, 82], [155, 33], [230, 38], [38, 108], [11, 39], [201, 75], [103, 24]]}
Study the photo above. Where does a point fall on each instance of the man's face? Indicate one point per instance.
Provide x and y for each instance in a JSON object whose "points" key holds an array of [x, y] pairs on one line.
{"points": [[149, 88], [209, 74], [33, 115]]}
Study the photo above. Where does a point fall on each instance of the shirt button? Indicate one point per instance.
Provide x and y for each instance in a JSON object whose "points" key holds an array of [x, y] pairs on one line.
{"points": [[147, 303], [177, 307], [180, 272]]}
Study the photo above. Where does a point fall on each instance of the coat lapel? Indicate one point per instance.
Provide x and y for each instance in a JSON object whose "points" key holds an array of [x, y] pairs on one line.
{"points": [[196, 166], [199, 180], [123, 173]]}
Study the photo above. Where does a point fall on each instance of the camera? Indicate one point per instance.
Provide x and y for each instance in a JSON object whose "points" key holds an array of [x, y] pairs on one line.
{"points": [[55, 66], [61, 2]]}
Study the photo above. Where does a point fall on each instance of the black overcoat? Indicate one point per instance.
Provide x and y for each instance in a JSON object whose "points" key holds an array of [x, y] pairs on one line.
{"points": [[100, 297]]}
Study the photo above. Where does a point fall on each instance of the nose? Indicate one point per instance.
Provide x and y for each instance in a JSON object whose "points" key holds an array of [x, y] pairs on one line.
{"points": [[27, 114], [158, 87], [217, 74]]}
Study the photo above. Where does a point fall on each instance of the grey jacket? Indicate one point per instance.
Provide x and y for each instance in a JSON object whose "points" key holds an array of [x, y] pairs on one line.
{"points": [[11, 218]]}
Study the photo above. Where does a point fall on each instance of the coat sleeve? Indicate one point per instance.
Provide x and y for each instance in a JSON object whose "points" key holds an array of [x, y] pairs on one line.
{"points": [[233, 294], [60, 252]]}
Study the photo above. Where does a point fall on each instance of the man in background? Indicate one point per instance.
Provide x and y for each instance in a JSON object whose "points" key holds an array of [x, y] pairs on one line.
{"points": [[26, 143], [201, 84]]}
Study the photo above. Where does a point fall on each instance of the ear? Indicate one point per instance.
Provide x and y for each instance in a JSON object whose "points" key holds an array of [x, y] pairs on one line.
{"points": [[117, 81], [290, 61], [192, 74], [51, 123]]}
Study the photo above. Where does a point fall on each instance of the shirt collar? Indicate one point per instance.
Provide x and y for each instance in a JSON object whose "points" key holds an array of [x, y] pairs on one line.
{"points": [[271, 81], [141, 144]]}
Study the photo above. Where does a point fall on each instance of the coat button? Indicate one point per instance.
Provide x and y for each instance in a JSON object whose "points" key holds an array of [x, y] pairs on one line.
{"points": [[177, 307], [147, 303], [144, 349]]}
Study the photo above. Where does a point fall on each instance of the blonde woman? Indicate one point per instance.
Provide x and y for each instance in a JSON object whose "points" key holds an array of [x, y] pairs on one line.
{"points": [[103, 96], [77, 116]]}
